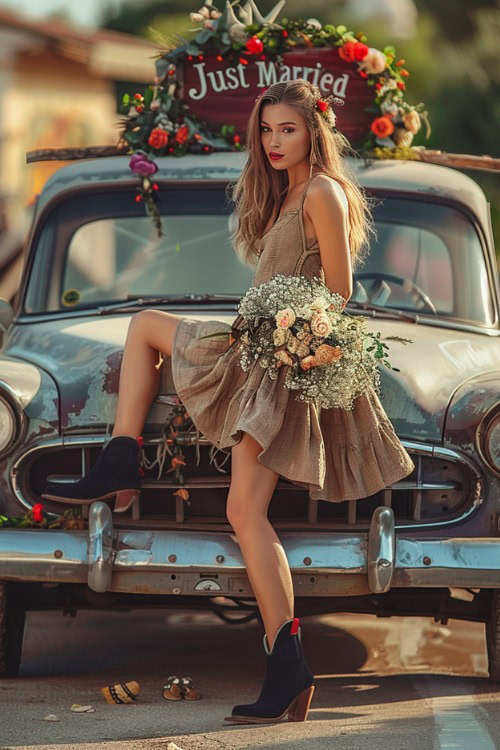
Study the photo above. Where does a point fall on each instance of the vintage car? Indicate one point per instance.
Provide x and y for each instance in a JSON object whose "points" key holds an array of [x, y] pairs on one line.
{"points": [[428, 545]]}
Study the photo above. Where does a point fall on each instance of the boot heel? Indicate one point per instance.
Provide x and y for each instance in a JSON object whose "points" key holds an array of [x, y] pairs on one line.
{"points": [[124, 499], [300, 707]]}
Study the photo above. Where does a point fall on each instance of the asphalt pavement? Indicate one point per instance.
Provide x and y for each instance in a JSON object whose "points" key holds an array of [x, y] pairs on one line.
{"points": [[381, 683]]}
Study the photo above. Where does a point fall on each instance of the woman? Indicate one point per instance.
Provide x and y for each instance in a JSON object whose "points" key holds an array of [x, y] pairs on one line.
{"points": [[302, 213]]}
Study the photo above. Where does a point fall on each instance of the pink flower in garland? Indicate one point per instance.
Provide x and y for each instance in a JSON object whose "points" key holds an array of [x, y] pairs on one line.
{"points": [[140, 164]]}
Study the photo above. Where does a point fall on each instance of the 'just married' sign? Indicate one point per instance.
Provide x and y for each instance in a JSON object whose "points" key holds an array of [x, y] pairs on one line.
{"points": [[221, 94]]}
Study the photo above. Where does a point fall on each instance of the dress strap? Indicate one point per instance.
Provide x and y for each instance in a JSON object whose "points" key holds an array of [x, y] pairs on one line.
{"points": [[301, 215], [305, 190]]}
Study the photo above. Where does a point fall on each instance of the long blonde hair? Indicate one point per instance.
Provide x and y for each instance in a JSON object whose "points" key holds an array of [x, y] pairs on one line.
{"points": [[260, 188]]}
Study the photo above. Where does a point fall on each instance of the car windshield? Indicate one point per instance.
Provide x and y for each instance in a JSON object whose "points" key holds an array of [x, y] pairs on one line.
{"points": [[101, 248]]}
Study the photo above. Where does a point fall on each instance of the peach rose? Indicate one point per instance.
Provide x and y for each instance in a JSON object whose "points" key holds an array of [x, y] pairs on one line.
{"points": [[412, 121], [320, 325], [402, 137], [283, 357], [326, 354], [308, 362], [280, 336], [285, 318], [292, 344]]}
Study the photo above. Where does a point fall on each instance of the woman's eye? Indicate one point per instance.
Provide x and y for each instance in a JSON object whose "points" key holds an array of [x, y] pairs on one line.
{"points": [[264, 127]]}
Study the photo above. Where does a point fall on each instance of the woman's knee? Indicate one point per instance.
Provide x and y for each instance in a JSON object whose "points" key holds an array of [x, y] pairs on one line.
{"points": [[239, 512], [156, 327]]}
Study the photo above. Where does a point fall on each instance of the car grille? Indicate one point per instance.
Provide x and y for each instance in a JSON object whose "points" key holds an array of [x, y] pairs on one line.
{"points": [[445, 487]]}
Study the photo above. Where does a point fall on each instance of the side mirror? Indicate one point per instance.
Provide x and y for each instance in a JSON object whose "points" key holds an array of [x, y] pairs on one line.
{"points": [[6, 314]]}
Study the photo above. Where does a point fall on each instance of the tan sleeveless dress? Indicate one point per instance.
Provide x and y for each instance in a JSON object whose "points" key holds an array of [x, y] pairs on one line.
{"points": [[336, 454]]}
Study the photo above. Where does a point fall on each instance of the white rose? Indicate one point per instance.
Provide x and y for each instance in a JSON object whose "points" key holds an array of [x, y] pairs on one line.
{"points": [[374, 62], [320, 304], [315, 23], [389, 108]]}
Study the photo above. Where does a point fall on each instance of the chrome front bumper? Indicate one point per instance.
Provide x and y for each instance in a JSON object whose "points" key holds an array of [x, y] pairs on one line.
{"points": [[208, 563]]}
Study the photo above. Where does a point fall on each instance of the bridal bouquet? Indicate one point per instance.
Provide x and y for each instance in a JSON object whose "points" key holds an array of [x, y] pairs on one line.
{"points": [[297, 322]]}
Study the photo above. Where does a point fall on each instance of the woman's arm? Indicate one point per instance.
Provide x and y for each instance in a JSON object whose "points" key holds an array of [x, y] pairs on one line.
{"points": [[327, 207]]}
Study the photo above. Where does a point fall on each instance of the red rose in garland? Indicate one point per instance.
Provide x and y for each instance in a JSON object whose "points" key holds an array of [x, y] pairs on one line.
{"points": [[352, 51], [254, 45], [37, 512], [158, 138]]}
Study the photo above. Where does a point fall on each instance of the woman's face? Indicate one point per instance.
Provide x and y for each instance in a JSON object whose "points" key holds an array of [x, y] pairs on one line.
{"points": [[283, 130]]}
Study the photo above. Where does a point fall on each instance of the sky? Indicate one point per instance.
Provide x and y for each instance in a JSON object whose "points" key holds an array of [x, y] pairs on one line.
{"points": [[84, 12]]}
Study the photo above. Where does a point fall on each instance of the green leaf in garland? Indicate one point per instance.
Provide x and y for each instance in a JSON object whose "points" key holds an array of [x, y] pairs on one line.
{"points": [[126, 100], [389, 50], [203, 36], [148, 96]]}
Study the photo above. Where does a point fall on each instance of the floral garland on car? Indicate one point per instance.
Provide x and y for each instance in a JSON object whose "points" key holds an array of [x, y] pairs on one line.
{"points": [[157, 123], [297, 321]]}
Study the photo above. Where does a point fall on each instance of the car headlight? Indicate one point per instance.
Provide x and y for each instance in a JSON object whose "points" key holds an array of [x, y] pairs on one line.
{"points": [[488, 438], [8, 425]]}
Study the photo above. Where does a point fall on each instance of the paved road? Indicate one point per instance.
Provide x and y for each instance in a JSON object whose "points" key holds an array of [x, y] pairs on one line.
{"points": [[381, 683]]}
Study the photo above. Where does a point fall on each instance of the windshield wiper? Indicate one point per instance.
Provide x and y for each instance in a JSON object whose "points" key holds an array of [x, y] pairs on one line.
{"points": [[370, 307], [137, 301]]}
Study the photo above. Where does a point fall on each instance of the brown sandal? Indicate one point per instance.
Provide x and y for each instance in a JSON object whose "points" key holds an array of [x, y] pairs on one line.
{"points": [[122, 692], [172, 690], [188, 691]]}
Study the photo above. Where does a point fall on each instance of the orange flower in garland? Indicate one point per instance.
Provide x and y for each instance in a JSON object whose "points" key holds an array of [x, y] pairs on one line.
{"points": [[158, 138], [382, 126], [182, 134]]}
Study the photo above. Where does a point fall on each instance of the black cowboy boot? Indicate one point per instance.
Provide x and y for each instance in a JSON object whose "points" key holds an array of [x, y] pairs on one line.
{"points": [[116, 472], [288, 683]]}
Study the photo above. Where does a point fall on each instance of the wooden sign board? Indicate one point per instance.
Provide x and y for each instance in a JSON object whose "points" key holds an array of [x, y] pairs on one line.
{"points": [[222, 94]]}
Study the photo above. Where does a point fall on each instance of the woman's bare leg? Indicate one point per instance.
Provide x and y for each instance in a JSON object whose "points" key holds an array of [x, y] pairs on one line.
{"points": [[252, 486], [149, 332]]}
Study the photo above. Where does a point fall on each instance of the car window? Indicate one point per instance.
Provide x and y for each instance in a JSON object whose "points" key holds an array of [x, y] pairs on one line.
{"points": [[101, 248]]}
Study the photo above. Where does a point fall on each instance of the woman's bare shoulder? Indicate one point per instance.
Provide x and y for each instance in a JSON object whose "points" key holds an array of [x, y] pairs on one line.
{"points": [[324, 189]]}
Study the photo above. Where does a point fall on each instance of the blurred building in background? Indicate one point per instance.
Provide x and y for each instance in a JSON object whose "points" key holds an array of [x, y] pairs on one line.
{"points": [[59, 86]]}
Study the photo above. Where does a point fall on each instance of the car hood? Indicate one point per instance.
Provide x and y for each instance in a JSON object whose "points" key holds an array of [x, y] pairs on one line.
{"points": [[83, 356]]}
